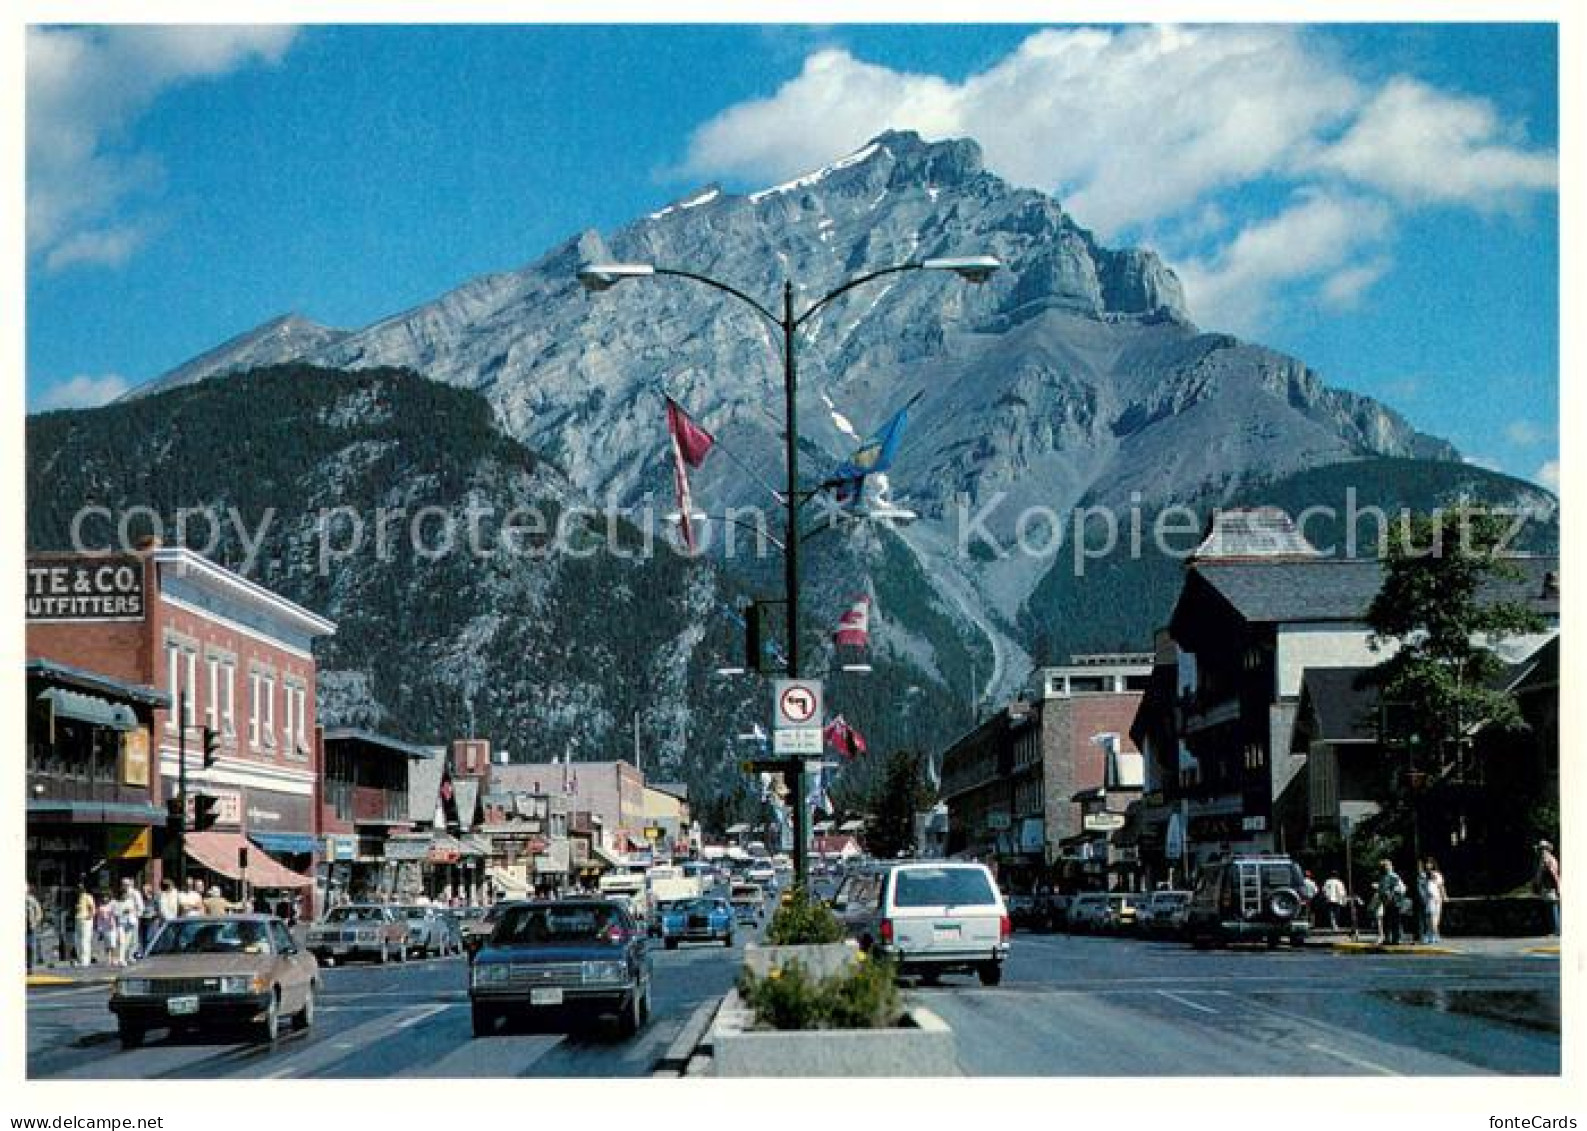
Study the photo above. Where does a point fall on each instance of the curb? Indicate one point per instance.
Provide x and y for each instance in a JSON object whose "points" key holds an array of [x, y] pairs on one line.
{"points": [[679, 1054], [1386, 948], [35, 981], [1542, 949]]}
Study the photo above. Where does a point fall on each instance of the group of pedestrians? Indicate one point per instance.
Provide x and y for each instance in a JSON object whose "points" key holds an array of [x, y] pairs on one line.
{"points": [[1398, 915], [110, 928]]}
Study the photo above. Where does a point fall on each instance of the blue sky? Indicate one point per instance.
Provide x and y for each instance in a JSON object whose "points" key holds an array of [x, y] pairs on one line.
{"points": [[1380, 201]]}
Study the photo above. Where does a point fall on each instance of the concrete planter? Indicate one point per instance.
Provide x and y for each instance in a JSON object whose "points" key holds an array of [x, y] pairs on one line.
{"points": [[921, 1046], [820, 961]]}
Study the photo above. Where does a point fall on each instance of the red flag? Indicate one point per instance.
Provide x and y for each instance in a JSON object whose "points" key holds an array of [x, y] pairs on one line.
{"points": [[690, 445], [844, 738], [446, 786], [854, 626]]}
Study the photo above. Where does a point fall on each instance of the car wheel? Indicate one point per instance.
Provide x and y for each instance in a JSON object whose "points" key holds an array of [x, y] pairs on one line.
{"points": [[131, 1035], [991, 973], [270, 1027], [484, 1021], [305, 1016], [632, 1019]]}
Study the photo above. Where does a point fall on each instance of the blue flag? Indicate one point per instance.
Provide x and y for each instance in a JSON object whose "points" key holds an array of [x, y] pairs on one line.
{"points": [[875, 455]]}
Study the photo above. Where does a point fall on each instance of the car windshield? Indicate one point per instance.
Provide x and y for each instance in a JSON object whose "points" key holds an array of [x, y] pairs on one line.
{"points": [[528, 926], [356, 915], [701, 906], [208, 936], [932, 887]]}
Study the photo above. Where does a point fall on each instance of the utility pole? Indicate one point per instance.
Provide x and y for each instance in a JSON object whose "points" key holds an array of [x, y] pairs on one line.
{"points": [[639, 762], [181, 785]]}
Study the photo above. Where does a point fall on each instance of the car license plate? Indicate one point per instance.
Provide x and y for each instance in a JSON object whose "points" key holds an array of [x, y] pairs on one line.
{"points": [[945, 934], [549, 995], [182, 1006]]}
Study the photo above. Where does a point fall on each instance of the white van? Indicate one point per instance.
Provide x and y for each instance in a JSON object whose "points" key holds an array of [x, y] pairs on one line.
{"points": [[930, 918]]}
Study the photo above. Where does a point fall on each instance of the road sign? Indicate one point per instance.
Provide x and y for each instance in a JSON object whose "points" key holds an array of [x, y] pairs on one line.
{"points": [[796, 703], [800, 740]]}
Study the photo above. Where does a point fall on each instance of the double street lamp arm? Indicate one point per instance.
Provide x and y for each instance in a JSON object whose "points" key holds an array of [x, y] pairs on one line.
{"points": [[604, 276]]}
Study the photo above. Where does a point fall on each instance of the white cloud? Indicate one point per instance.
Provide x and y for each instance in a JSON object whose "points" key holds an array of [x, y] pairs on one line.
{"points": [[82, 392], [1161, 133], [1319, 238], [1420, 144], [1548, 474], [85, 86]]}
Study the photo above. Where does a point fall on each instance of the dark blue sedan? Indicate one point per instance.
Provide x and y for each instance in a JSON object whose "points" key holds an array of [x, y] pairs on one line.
{"points": [[697, 920], [567, 959]]}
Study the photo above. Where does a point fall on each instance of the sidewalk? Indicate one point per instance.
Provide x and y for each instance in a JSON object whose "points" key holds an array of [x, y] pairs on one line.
{"points": [[63, 975], [1475, 947]]}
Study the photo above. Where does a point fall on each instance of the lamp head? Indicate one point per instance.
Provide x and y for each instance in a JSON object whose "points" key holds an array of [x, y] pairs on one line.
{"points": [[604, 276], [970, 268]]}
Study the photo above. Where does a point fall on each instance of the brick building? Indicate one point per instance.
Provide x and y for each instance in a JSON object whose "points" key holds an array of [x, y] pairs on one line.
{"points": [[235, 660], [1018, 786]]}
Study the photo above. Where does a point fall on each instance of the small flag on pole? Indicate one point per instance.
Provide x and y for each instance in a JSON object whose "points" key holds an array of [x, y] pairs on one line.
{"points": [[872, 457], [690, 445], [854, 626], [843, 738]]}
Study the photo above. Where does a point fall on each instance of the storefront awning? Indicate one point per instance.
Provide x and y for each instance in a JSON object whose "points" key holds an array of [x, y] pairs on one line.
{"points": [[284, 844], [217, 852], [90, 709], [599, 855]]}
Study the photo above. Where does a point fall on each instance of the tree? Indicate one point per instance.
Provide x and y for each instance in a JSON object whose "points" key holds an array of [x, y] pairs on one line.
{"points": [[1438, 609], [901, 793]]}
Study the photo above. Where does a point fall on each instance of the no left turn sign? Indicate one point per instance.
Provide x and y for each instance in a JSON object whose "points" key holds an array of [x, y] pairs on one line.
{"points": [[797, 703]]}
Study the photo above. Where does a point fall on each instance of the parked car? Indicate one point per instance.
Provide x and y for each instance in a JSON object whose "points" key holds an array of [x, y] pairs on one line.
{"points": [[430, 930], [697, 920], [930, 918], [573, 959], [1123, 911], [358, 929], [1246, 898], [1087, 912], [475, 925], [216, 970], [1058, 911], [749, 903], [662, 908], [1160, 916], [1024, 911]]}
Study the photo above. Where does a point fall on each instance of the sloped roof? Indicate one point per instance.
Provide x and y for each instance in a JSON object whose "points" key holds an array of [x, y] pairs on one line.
{"points": [[1342, 589], [424, 788], [1343, 708], [1253, 532]]}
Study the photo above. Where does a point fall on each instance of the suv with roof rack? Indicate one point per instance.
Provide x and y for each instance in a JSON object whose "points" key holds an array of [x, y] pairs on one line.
{"points": [[1248, 898]]}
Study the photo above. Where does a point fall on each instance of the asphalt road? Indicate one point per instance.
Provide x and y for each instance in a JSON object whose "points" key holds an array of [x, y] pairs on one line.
{"points": [[1068, 1006], [376, 1022], [1091, 1006]]}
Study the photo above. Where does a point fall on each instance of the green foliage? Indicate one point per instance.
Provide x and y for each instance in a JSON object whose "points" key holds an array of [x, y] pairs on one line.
{"points": [[903, 792], [803, 920], [864, 996]]}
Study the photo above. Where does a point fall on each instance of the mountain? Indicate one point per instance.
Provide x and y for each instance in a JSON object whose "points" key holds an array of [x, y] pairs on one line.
{"points": [[379, 499], [1074, 378], [286, 337]]}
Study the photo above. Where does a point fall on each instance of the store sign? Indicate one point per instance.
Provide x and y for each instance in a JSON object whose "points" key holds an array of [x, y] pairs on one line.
{"points": [[1102, 822], [135, 758], [128, 842], [93, 589]]}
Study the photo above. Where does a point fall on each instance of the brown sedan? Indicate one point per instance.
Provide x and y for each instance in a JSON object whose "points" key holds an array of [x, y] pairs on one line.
{"points": [[217, 970]]}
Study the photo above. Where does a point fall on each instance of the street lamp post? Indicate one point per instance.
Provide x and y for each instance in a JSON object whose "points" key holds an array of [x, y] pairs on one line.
{"points": [[597, 277]]}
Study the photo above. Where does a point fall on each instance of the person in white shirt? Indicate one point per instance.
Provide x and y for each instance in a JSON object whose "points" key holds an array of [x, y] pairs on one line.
{"points": [[128, 910], [1334, 897]]}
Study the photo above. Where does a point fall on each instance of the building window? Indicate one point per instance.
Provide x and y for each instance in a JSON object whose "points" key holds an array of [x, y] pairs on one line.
{"points": [[268, 694], [228, 699], [190, 670], [254, 707], [173, 678], [212, 699]]}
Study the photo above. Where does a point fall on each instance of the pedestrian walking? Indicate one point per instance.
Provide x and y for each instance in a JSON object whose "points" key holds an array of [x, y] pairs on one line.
{"points": [[169, 901], [149, 920], [107, 935], [35, 918], [128, 909], [84, 919], [1392, 900], [215, 903], [1334, 897], [1310, 893], [1430, 888], [190, 901], [1546, 881]]}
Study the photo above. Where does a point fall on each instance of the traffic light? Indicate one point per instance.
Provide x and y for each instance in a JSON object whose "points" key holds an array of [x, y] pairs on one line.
{"points": [[206, 811], [752, 641], [211, 746], [175, 817]]}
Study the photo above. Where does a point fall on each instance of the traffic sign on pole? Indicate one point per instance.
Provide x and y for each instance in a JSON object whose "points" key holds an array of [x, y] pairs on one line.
{"points": [[796, 703]]}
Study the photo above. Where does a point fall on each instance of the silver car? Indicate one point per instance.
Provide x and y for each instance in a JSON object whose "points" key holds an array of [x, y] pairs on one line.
{"points": [[1087, 912], [430, 930], [930, 918]]}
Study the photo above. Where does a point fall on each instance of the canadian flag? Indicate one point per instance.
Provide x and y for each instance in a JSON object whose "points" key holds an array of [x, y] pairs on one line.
{"points": [[690, 445], [843, 738], [854, 626]]}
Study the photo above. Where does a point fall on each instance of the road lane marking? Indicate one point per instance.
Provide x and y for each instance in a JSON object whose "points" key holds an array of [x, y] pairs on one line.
{"points": [[1187, 1002], [418, 1017], [1370, 1066]]}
